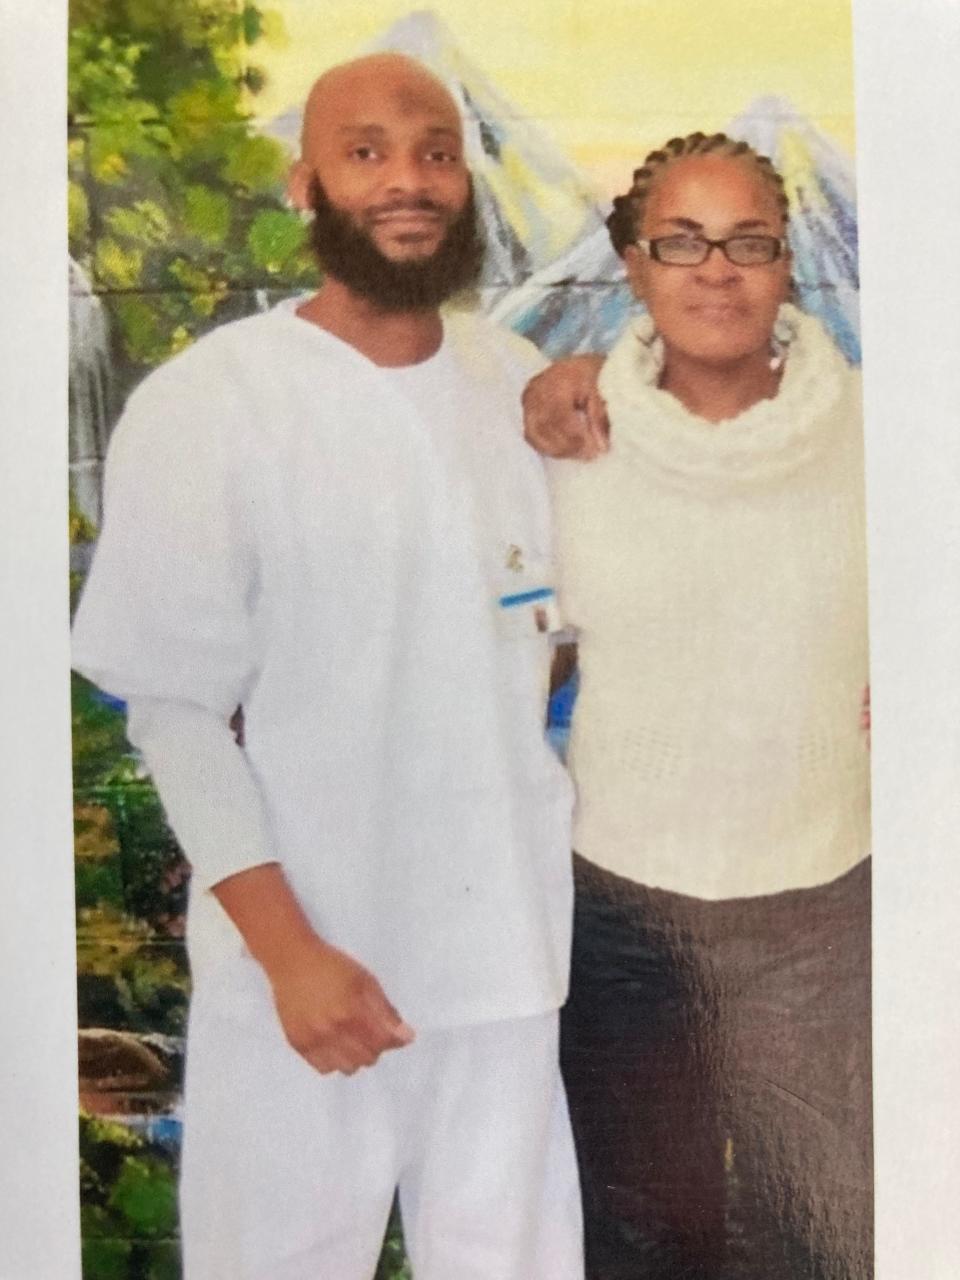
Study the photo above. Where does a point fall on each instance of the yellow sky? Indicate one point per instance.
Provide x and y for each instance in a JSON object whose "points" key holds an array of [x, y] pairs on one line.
{"points": [[610, 78]]}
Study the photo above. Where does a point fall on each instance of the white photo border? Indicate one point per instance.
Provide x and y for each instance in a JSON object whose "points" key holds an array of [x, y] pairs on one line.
{"points": [[908, 142]]}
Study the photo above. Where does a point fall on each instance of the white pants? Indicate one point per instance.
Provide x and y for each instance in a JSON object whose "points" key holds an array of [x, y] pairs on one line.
{"points": [[289, 1175]]}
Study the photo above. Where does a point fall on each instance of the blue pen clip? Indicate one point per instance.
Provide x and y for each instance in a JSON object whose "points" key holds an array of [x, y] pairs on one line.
{"points": [[526, 597]]}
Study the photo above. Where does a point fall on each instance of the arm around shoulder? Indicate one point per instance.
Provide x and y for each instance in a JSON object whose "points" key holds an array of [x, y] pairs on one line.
{"points": [[564, 413]]}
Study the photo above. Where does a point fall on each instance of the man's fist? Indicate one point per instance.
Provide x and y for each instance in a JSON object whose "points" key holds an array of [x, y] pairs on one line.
{"points": [[333, 1011], [563, 413]]}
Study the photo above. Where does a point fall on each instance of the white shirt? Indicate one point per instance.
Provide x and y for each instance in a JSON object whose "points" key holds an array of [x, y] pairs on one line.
{"points": [[291, 527], [717, 575]]}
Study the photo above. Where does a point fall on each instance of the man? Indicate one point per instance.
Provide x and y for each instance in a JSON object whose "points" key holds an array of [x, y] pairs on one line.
{"points": [[328, 516]]}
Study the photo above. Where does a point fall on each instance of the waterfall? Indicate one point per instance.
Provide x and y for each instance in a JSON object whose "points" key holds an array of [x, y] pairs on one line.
{"points": [[91, 394]]}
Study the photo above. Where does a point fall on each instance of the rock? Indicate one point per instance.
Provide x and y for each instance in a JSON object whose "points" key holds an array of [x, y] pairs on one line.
{"points": [[119, 1061]]}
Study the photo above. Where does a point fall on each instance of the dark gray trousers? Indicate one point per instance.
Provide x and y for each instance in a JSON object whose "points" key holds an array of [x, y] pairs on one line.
{"points": [[717, 1063]]}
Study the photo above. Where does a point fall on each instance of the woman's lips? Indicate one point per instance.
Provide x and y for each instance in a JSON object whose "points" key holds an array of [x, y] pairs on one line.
{"points": [[717, 311]]}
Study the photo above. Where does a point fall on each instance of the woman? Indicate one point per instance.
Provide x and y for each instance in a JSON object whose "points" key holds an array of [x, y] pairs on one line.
{"points": [[716, 1043]]}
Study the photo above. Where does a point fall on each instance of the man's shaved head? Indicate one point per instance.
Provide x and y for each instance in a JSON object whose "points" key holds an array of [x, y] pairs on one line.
{"points": [[383, 171], [340, 92]]}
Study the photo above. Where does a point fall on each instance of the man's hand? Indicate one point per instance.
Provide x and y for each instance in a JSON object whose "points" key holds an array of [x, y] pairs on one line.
{"points": [[564, 415], [334, 1012]]}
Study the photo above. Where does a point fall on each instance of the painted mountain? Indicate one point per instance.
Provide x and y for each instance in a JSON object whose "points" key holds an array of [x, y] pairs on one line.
{"points": [[552, 274], [534, 203], [580, 302], [823, 213]]}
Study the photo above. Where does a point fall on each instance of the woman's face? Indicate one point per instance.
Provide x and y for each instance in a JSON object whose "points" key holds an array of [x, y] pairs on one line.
{"points": [[717, 312]]}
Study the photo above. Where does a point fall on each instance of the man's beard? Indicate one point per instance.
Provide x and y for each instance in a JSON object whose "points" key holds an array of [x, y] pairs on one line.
{"points": [[348, 253]]}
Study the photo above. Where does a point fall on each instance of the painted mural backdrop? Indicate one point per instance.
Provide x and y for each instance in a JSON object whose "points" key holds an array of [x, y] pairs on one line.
{"points": [[177, 224]]}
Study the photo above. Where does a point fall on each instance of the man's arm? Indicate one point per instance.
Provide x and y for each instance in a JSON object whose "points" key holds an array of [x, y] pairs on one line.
{"points": [[164, 623], [333, 1011], [563, 413]]}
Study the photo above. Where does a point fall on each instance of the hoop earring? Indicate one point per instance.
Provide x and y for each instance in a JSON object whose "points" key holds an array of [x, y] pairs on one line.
{"points": [[646, 332]]}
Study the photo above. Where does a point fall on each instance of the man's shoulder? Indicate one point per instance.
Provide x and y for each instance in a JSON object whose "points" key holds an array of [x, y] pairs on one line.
{"points": [[209, 365], [198, 400], [473, 328]]}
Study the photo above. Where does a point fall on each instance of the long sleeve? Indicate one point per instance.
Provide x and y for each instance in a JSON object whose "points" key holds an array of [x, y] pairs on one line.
{"points": [[212, 800]]}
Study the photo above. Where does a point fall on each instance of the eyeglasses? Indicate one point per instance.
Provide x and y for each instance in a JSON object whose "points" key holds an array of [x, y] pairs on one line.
{"points": [[691, 251]]}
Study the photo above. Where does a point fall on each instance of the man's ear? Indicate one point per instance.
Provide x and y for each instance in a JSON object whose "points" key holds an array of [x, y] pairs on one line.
{"points": [[635, 261], [299, 180]]}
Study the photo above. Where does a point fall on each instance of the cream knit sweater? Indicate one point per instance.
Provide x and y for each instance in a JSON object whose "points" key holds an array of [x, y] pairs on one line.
{"points": [[717, 576]]}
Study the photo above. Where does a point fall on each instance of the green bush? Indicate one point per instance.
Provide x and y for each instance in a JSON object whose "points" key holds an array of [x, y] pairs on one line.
{"points": [[174, 200], [100, 748], [128, 1206]]}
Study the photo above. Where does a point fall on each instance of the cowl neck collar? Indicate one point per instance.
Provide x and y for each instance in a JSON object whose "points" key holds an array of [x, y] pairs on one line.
{"points": [[771, 439]]}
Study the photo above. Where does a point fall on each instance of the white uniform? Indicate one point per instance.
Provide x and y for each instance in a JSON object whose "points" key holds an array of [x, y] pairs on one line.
{"points": [[327, 542]]}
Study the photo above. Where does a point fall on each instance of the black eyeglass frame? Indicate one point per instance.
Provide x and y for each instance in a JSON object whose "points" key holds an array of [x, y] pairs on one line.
{"points": [[649, 247]]}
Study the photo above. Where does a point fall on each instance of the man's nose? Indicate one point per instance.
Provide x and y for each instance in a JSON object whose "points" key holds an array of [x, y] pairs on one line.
{"points": [[406, 173]]}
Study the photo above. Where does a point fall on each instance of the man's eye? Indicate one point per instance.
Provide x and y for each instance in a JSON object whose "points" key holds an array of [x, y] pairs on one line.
{"points": [[443, 157], [363, 152]]}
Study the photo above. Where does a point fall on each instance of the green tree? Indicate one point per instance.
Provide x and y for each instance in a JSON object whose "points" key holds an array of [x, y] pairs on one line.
{"points": [[128, 1209], [175, 201]]}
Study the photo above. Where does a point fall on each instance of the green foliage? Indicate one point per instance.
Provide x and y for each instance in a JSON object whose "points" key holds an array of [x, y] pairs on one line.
{"points": [[206, 214], [145, 1196], [100, 67], [143, 223], [153, 868], [256, 165], [168, 179], [130, 881], [252, 23], [98, 883], [106, 1259], [81, 529], [103, 1258], [128, 1212], [274, 241], [393, 1264], [99, 740], [78, 213], [164, 1262], [126, 981], [103, 1147], [147, 338], [117, 267]]}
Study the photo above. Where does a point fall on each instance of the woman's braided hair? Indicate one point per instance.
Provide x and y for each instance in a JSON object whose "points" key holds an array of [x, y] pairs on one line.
{"points": [[625, 221]]}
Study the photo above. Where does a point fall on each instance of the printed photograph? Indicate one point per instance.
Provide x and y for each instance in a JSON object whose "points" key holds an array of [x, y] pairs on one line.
{"points": [[471, 700]]}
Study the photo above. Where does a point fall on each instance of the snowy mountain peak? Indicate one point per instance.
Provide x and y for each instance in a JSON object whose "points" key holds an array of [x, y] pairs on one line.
{"points": [[422, 34], [774, 127], [535, 204], [551, 272]]}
